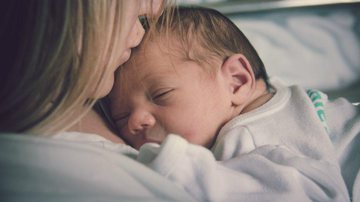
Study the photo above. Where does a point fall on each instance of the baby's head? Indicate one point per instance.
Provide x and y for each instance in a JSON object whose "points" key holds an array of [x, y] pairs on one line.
{"points": [[188, 79]]}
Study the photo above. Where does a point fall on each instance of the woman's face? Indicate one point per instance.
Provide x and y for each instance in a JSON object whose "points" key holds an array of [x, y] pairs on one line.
{"points": [[132, 34]]}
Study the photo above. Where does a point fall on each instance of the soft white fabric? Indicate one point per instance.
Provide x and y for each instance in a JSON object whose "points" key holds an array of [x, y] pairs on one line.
{"points": [[281, 151], [87, 168], [98, 141], [356, 188]]}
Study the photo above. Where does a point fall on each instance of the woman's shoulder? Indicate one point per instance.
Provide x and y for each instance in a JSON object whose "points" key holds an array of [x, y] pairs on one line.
{"points": [[97, 141], [37, 168]]}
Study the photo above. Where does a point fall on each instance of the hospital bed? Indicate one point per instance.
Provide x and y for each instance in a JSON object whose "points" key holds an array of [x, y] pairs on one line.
{"points": [[314, 43]]}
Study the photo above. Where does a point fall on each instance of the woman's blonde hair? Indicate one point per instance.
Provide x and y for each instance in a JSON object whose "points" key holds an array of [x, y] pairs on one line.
{"points": [[55, 54]]}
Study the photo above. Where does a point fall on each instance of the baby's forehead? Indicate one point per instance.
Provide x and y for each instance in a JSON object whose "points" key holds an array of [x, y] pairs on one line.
{"points": [[151, 57], [155, 52], [164, 52]]}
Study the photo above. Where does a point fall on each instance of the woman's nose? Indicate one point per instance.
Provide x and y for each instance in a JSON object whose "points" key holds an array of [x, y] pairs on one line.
{"points": [[140, 121], [138, 33]]}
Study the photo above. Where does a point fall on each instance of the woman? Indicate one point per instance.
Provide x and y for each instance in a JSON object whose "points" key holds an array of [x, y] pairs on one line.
{"points": [[58, 58]]}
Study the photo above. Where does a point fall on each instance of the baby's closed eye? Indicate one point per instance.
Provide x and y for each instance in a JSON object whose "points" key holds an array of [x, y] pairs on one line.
{"points": [[121, 119], [160, 96]]}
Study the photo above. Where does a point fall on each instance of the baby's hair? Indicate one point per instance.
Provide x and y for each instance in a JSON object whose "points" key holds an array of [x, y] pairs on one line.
{"points": [[203, 34]]}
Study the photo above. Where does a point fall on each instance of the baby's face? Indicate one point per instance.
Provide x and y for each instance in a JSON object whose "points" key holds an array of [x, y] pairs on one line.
{"points": [[154, 96]]}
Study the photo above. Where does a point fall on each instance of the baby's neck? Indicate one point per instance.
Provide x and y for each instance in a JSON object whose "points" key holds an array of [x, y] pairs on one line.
{"points": [[260, 97]]}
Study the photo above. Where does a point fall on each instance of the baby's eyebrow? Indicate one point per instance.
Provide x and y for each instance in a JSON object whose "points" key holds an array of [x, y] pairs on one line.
{"points": [[158, 76]]}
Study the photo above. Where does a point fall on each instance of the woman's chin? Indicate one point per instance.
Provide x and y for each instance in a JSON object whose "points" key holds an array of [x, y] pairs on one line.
{"points": [[105, 88]]}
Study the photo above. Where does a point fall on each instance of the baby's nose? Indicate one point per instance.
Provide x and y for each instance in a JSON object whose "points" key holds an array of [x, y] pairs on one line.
{"points": [[140, 121]]}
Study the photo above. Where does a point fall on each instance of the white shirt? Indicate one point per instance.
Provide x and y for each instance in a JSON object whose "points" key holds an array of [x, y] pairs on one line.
{"points": [[77, 167]]}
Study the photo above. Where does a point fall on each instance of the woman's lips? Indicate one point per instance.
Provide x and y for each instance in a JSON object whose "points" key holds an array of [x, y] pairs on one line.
{"points": [[126, 56]]}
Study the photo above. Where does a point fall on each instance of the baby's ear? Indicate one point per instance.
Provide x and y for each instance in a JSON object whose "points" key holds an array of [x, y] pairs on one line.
{"points": [[239, 77]]}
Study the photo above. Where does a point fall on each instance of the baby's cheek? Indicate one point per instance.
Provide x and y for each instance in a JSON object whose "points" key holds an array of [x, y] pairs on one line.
{"points": [[197, 137], [185, 129], [190, 136]]}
